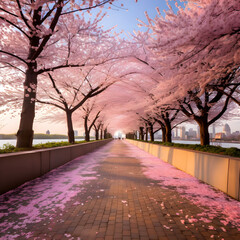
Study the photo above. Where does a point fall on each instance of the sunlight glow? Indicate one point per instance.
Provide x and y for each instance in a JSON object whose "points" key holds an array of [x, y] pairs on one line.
{"points": [[119, 134]]}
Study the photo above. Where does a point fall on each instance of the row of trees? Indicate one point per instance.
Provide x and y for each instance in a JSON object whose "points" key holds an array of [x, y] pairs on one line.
{"points": [[184, 67], [64, 56], [193, 59]]}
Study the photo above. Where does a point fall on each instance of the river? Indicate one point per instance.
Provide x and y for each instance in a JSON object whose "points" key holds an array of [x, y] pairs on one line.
{"points": [[35, 141], [222, 144]]}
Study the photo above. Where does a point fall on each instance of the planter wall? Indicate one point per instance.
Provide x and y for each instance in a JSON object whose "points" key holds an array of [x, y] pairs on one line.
{"points": [[18, 168], [220, 171]]}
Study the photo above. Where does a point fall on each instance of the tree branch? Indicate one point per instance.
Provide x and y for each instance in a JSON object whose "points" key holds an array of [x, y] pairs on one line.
{"points": [[48, 14], [21, 13], [87, 8], [11, 65], [146, 63], [57, 90], [52, 27], [223, 109], [14, 25], [59, 67], [229, 95], [15, 56], [8, 12], [175, 115], [49, 103], [185, 111], [94, 120]]}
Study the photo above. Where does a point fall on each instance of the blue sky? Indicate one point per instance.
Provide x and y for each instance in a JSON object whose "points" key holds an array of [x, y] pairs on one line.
{"points": [[127, 19]]}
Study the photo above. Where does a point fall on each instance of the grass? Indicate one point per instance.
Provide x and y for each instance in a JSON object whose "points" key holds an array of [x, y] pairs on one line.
{"points": [[234, 152], [9, 148]]}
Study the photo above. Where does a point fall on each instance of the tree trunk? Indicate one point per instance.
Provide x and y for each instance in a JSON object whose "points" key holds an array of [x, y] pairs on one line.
{"points": [[168, 131], [87, 136], [71, 138], [151, 133], [164, 134], [101, 134], [204, 133], [146, 139], [96, 134], [25, 132], [87, 132], [105, 133], [141, 133], [163, 128]]}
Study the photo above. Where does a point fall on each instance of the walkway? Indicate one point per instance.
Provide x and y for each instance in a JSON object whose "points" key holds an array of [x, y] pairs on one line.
{"points": [[109, 194]]}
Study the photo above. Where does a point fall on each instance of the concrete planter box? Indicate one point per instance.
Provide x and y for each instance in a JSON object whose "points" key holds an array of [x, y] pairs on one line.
{"points": [[220, 171], [18, 168]]}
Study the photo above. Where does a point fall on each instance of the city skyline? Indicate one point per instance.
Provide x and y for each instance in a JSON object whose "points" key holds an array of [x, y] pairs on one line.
{"points": [[11, 126]]}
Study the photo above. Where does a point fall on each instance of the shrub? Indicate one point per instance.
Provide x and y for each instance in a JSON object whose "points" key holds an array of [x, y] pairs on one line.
{"points": [[234, 152], [8, 148]]}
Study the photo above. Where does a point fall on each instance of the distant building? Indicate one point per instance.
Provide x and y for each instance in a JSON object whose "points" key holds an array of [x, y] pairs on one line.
{"points": [[48, 132], [158, 135], [182, 133], [227, 130], [75, 133], [213, 130], [236, 133], [192, 133], [198, 132], [176, 132], [220, 136]]}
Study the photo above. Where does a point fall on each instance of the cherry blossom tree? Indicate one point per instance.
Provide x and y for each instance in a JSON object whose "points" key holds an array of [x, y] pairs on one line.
{"points": [[29, 29], [69, 92], [148, 122], [229, 86], [141, 133], [194, 51], [97, 127], [165, 117], [196, 45], [205, 110], [90, 114], [188, 51]]}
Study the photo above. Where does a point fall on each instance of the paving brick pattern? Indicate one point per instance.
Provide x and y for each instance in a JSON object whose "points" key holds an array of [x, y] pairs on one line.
{"points": [[123, 204]]}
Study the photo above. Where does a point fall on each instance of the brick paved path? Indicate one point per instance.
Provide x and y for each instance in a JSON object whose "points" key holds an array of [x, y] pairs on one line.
{"points": [[121, 204]]}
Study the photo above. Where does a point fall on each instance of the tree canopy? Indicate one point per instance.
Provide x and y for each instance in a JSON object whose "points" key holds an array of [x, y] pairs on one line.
{"points": [[183, 67]]}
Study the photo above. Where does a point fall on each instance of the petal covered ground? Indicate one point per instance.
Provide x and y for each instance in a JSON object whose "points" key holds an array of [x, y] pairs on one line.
{"points": [[118, 192]]}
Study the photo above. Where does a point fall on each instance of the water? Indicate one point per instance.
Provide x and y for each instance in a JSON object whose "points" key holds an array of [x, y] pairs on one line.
{"points": [[35, 141], [221, 144]]}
